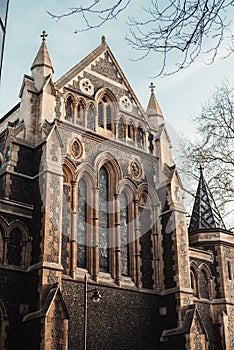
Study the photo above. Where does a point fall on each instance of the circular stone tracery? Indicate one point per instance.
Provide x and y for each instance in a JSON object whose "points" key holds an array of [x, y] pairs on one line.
{"points": [[76, 149], [86, 86]]}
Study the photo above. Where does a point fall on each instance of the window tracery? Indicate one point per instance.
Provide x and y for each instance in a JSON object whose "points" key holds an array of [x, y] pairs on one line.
{"points": [[105, 113]]}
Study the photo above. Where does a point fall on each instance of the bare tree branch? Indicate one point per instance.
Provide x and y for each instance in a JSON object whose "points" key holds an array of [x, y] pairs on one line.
{"points": [[214, 149]]}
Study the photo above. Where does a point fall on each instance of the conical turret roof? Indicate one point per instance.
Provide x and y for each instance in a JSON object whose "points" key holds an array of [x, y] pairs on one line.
{"points": [[42, 58], [205, 214], [153, 107]]}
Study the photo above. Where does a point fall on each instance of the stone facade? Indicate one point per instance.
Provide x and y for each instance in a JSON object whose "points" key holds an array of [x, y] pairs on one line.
{"points": [[88, 189]]}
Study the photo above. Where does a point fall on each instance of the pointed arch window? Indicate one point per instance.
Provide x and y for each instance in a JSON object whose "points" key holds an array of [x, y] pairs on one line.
{"points": [[103, 221], [14, 247], [100, 115], [90, 118], [140, 137], [80, 112], [121, 129], [108, 117], [69, 109], [82, 225], [105, 113], [203, 285], [193, 281], [124, 234], [146, 243], [130, 131]]}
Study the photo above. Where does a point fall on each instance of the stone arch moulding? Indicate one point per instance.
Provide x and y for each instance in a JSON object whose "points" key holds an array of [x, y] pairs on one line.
{"points": [[86, 172], [105, 91], [109, 161], [23, 229], [151, 194], [69, 169]]}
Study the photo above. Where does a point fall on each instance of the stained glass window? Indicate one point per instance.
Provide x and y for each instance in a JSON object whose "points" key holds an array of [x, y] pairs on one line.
{"points": [[124, 234], [82, 219], [103, 221], [14, 248]]}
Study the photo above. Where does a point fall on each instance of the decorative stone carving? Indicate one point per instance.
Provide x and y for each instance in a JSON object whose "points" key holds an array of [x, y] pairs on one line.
{"points": [[86, 86], [125, 104], [76, 149], [136, 169]]}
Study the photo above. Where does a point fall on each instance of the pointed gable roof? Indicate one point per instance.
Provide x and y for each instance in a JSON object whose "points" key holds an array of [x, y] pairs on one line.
{"points": [[42, 58], [89, 60], [205, 214]]}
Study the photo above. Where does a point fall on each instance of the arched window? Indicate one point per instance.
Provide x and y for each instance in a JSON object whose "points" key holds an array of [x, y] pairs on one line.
{"points": [[69, 109], [14, 247], [100, 115], [108, 117], [105, 113], [124, 234], [82, 224], [146, 243], [121, 129], [130, 131], [90, 118], [203, 285], [80, 112], [193, 281], [103, 221], [140, 138]]}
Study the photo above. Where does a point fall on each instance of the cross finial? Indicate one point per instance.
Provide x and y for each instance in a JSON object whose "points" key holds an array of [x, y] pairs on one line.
{"points": [[44, 35], [152, 87]]}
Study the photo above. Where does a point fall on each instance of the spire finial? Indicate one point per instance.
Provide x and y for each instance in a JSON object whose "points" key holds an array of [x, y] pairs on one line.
{"points": [[152, 87], [44, 35], [103, 39], [201, 168]]}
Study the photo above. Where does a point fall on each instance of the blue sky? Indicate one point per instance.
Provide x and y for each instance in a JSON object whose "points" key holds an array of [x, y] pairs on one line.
{"points": [[180, 96]]}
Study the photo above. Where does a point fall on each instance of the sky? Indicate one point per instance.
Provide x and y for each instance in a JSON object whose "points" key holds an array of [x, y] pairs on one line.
{"points": [[180, 96]]}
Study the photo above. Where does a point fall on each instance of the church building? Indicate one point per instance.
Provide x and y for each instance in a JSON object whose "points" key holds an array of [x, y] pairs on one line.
{"points": [[95, 250]]}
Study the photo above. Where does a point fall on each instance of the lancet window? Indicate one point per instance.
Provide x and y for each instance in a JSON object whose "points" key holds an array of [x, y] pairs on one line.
{"points": [[80, 112], [82, 225], [124, 234], [121, 129], [14, 247], [103, 221], [91, 118], [69, 109], [105, 113]]}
